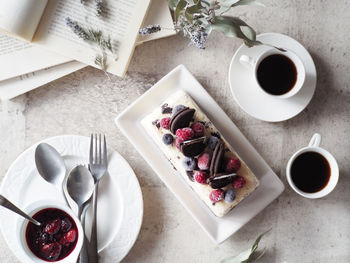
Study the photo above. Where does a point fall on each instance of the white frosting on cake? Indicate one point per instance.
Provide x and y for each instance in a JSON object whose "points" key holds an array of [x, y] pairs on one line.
{"points": [[175, 156]]}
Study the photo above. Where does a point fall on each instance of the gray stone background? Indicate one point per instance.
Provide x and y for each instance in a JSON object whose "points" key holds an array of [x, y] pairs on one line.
{"points": [[302, 230]]}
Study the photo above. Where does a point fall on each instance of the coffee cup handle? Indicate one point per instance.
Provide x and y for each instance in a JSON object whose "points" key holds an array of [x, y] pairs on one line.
{"points": [[247, 61], [315, 140]]}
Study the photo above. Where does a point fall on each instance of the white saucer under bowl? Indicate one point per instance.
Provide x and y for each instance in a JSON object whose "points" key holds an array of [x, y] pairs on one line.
{"points": [[120, 204], [257, 103]]}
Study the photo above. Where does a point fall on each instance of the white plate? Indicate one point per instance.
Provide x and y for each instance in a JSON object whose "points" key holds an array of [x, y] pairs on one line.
{"points": [[217, 228], [257, 103], [120, 206]]}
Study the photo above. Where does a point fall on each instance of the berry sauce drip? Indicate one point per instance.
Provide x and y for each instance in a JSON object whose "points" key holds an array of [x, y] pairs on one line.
{"points": [[56, 238]]}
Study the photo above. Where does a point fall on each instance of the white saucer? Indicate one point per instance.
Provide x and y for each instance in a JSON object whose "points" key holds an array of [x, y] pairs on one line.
{"points": [[120, 205], [253, 100]]}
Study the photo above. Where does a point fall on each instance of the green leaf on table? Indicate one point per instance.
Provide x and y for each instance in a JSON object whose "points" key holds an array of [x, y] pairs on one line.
{"points": [[257, 241], [248, 255], [179, 8], [243, 256]]}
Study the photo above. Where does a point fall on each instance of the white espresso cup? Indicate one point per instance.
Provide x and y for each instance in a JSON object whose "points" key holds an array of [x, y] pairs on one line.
{"points": [[253, 65], [314, 146]]}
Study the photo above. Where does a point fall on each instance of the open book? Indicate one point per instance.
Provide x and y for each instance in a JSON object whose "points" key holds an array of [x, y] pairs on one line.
{"points": [[43, 22]]}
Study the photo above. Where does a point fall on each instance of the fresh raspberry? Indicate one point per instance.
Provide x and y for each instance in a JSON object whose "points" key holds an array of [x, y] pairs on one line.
{"points": [[204, 161], [239, 182], [53, 226], [177, 142], [233, 165], [216, 195], [200, 177], [185, 133], [198, 129], [165, 123]]}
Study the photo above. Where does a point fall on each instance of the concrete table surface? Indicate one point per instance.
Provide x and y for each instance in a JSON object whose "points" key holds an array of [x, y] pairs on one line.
{"points": [[302, 230]]}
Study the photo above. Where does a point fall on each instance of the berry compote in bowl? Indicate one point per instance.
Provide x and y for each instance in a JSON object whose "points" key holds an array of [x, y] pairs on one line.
{"points": [[58, 239]]}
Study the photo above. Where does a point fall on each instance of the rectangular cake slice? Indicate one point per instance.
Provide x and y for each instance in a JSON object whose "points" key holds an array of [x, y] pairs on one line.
{"points": [[198, 151]]}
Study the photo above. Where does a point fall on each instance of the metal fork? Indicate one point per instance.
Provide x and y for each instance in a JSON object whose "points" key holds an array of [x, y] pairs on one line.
{"points": [[98, 168]]}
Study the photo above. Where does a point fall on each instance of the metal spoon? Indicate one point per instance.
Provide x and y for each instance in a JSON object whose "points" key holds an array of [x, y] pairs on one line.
{"points": [[7, 204], [80, 187], [51, 166]]}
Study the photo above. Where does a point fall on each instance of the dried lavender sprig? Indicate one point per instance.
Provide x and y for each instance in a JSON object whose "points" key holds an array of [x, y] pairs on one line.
{"points": [[195, 32], [198, 38], [96, 36], [149, 29], [99, 7], [90, 35], [101, 61], [77, 29]]}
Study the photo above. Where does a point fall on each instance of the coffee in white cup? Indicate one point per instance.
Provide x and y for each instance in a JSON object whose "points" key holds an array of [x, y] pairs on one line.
{"points": [[312, 171], [278, 74]]}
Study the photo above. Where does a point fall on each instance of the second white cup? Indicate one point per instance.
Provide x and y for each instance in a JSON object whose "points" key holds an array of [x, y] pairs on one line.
{"points": [[314, 146]]}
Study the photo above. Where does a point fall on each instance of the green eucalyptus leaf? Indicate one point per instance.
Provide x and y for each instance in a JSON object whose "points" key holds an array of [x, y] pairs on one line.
{"points": [[212, 3], [248, 31], [246, 2], [249, 255], [260, 255], [205, 2], [172, 4], [227, 26], [226, 5], [189, 17], [243, 256], [179, 8], [194, 9], [235, 27], [203, 21], [256, 243], [193, 2]]}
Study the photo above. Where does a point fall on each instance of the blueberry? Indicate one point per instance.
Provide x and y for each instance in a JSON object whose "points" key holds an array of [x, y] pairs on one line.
{"points": [[168, 139], [212, 141], [230, 196], [178, 108], [189, 163]]}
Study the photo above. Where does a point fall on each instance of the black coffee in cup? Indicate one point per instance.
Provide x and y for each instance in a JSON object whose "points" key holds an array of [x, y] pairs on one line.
{"points": [[310, 172], [277, 74]]}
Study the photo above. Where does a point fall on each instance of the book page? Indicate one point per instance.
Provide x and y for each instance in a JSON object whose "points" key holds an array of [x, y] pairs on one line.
{"points": [[121, 22], [20, 18], [158, 14], [16, 86], [19, 57]]}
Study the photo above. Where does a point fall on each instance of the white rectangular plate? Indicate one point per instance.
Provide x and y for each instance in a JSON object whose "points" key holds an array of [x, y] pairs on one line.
{"points": [[219, 229]]}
